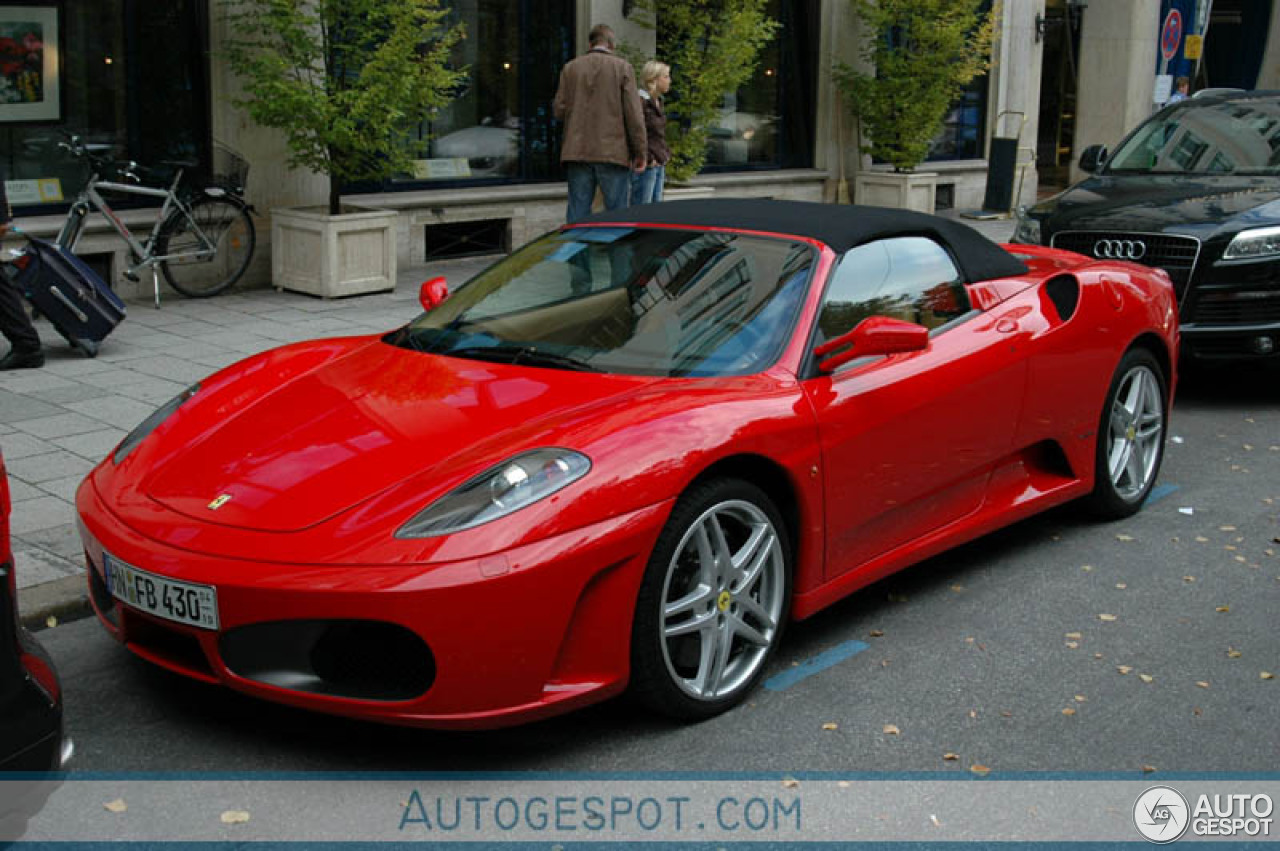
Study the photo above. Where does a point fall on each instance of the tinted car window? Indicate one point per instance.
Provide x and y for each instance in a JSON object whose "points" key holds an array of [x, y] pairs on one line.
{"points": [[910, 278], [1199, 138], [627, 300]]}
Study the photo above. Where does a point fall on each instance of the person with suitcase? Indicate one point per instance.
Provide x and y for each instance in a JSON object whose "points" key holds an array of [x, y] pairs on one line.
{"points": [[24, 342]]}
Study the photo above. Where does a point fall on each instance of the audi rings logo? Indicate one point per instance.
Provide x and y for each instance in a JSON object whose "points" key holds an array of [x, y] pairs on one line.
{"points": [[1120, 249], [1161, 814]]}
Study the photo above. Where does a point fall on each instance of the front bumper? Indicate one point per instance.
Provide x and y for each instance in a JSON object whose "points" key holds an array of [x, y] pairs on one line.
{"points": [[511, 637]]}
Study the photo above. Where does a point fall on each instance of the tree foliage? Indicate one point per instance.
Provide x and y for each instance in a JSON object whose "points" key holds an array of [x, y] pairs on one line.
{"points": [[713, 47], [924, 53], [343, 79]]}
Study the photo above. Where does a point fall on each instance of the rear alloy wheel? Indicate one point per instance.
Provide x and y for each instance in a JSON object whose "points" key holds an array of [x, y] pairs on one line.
{"points": [[713, 601], [1130, 436]]}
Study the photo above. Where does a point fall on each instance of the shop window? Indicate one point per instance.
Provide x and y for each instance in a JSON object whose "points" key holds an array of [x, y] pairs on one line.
{"points": [[131, 80], [769, 121], [498, 127]]}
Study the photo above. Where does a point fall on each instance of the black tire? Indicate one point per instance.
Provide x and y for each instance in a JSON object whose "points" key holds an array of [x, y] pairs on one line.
{"points": [[741, 614], [228, 224], [1131, 437]]}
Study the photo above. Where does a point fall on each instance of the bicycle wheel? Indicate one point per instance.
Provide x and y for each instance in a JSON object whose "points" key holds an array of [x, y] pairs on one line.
{"points": [[224, 223]]}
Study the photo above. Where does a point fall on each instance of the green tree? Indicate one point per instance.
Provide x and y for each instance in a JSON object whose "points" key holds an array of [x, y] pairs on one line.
{"points": [[344, 79], [713, 47], [924, 53]]}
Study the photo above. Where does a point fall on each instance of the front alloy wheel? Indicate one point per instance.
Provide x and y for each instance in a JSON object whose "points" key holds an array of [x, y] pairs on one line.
{"points": [[713, 601]]}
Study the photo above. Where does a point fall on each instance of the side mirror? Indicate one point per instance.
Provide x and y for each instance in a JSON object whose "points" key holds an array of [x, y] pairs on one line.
{"points": [[876, 335], [433, 293], [1093, 158]]}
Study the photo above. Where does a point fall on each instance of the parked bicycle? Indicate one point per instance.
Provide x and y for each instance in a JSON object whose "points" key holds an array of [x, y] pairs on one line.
{"points": [[203, 236]]}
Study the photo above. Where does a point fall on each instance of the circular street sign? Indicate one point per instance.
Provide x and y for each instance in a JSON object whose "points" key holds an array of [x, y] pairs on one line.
{"points": [[1171, 34]]}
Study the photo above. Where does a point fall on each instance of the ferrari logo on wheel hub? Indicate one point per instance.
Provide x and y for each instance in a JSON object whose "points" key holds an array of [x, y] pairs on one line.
{"points": [[723, 601]]}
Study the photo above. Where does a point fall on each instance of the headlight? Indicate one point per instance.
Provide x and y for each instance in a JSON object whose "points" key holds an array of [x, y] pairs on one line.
{"points": [[1254, 245], [1028, 230], [150, 424], [508, 487]]}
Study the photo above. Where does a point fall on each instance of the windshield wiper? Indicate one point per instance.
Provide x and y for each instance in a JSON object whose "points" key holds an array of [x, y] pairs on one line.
{"points": [[522, 355]]}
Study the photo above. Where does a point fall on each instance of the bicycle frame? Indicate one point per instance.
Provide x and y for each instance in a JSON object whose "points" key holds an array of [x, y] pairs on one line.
{"points": [[90, 198]]}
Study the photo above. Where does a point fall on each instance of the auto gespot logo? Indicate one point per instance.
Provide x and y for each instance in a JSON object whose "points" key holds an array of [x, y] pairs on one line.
{"points": [[1163, 815]]}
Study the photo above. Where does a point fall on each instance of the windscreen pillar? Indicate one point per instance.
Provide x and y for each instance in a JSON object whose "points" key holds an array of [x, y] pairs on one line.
{"points": [[1118, 44]]}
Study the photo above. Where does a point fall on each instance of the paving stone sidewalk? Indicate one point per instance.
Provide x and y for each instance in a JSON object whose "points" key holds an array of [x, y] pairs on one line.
{"points": [[58, 422]]}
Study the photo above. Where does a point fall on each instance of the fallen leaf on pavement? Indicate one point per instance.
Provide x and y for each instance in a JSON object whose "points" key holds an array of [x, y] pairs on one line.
{"points": [[116, 806], [1073, 645], [235, 817], [891, 730], [1202, 539], [1074, 636], [1146, 678], [1223, 609], [934, 819], [1148, 769], [1006, 714], [831, 725], [1087, 568], [1233, 653], [1080, 698], [1124, 537], [1188, 579], [1226, 528], [790, 783], [843, 784], [1107, 618], [1202, 684], [1097, 655], [876, 633], [1187, 510], [950, 757], [1121, 585], [973, 713], [1068, 711], [1124, 669], [1267, 675], [980, 769]]}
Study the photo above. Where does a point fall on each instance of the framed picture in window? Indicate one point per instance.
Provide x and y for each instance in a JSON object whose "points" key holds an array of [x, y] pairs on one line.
{"points": [[30, 66]]}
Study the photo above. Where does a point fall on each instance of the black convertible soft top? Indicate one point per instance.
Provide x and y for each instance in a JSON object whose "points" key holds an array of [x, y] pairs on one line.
{"points": [[840, 226]]}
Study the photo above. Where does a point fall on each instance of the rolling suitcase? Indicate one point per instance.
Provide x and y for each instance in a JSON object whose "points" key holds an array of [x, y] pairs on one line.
{"points": [[71, 296]]}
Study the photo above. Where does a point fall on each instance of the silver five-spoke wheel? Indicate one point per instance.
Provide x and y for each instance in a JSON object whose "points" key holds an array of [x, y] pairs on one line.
{"points": [[713, 601], [1130, 436], [1136, 433]]}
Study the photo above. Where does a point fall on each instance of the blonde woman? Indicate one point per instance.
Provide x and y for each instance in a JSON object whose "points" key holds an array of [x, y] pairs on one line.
{"points": [[655, 81]]}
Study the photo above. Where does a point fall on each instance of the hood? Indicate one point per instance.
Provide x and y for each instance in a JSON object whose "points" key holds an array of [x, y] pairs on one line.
{"points": [[298, 454], [1198, 204]]}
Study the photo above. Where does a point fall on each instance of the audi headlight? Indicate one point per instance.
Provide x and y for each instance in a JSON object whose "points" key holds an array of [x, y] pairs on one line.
{"points": [[1028, 230], [151, 423], [1256, 244], [508, 487]]}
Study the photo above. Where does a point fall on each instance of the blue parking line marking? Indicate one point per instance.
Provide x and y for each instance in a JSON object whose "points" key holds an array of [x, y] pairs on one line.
{"points": [[816, 665], [1159, 493]]}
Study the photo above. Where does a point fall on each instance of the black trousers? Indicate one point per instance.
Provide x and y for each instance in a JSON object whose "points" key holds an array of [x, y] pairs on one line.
{"points": [[15, 324]]}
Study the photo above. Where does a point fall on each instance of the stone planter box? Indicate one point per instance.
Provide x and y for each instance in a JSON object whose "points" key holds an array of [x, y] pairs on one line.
{"points": [[911, 191], [333, 256]]}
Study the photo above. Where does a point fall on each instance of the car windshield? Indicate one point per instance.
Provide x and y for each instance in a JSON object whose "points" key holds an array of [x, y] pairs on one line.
{"points": [[1236, 137], [636, 301]]}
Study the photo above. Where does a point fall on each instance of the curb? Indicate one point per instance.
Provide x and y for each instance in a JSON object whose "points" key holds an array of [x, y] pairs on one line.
{"points": [[65, 599]]}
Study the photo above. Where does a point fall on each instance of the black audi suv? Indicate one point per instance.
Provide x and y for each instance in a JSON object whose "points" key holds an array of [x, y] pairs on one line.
{"points": [[1194, 190]]}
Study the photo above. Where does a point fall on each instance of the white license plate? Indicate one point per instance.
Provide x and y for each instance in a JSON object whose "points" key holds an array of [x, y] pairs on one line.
{"points": [[184, 602]]}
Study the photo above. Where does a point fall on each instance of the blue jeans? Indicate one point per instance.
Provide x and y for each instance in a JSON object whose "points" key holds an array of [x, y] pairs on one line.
{"points": [[646, 187], [614, 182]]}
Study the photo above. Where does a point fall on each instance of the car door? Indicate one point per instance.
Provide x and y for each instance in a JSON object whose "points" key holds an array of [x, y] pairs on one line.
{"points": [[909, 440]]}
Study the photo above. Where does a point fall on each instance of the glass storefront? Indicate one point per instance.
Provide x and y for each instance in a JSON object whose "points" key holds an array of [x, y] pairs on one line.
{"points": [[130, 77], [498, 129], [769, 122]]}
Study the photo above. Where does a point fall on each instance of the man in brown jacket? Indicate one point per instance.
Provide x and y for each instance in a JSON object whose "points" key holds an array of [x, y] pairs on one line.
{"points": [[604, 137]]}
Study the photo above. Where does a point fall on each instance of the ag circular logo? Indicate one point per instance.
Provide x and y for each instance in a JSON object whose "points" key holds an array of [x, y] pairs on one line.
{"points": [[1161, 814]]}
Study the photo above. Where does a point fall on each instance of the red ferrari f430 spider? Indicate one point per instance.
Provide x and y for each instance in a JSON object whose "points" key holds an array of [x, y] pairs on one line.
{"points": [[623, 457]]}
